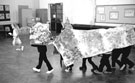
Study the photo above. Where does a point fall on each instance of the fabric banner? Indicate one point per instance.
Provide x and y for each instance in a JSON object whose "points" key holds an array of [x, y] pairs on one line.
{"points": [[94, 42], [73, 44], [66, 44], [90, 43], [40, 34]]}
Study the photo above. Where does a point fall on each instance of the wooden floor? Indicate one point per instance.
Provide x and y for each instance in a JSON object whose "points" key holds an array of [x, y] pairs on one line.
{"points": [[16, 67]]}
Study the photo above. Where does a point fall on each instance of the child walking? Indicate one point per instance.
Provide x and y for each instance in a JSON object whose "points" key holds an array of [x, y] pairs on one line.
{"points": [[84, 67], [104, 62], [16, 40], [125, 58], [42, 49]]}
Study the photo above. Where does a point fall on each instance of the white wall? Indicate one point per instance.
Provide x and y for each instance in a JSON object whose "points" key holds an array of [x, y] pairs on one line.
{"points": [[83, 12], [34, 4], [114, 2], [78, 11], [44, 3]]}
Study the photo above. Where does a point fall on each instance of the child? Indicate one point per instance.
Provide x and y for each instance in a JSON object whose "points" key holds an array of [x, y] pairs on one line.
{"points": [[69, 68], [16, 40], [115, 55], [125, 52], [125, 60], [42, 49], [104, 62], [84, 67]]}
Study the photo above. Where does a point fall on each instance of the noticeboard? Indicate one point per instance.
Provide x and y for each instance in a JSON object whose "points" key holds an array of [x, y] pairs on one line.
{"points": [[115, 14]]}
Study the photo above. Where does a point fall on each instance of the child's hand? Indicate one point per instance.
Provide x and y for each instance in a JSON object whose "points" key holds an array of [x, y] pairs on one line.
{"points": [[10, 34]]}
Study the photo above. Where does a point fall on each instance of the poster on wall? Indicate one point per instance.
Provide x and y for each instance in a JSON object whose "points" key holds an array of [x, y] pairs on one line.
{"points": [[100, 10], [1, 8], [130, 12], [6, 7], [2, 16], [102, 17], [7, 16], [114, 15]]}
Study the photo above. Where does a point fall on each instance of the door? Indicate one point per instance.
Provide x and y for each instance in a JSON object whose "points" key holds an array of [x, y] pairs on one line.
{"points": [[42, 14], [56, 15], [20, 7]]}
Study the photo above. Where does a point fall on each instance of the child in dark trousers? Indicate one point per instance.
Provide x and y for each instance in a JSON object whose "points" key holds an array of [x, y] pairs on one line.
{"points": [[124, 58], [104, 62], [68, 68], [42, 57], [115, 55], [84, 67]]}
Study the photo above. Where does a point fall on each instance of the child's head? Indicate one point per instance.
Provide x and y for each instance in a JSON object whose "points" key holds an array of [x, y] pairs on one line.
{"points": [[14, 26]]}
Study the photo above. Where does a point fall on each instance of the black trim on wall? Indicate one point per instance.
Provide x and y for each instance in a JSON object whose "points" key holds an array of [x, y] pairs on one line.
{"points": [[89, 27]]}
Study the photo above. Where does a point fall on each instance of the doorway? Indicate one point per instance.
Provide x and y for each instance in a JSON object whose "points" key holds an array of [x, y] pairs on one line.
{"points": [[56, 16], [20, 7]]}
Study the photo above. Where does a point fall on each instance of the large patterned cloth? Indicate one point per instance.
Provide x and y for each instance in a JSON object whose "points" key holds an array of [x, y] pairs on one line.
{"points": [[90, 43], [94, 42], [66, 44], [40, 34], [73, 44]]}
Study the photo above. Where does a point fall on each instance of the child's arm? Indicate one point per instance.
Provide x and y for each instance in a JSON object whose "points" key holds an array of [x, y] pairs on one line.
{"points": [[10, 34]]}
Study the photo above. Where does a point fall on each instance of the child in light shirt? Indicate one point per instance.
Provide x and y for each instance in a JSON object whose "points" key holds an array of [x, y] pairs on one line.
{"points": [[16, 40]]}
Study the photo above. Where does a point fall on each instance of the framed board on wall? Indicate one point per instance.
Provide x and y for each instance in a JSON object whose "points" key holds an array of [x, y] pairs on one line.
{"points": [[114, 15], [130, 12], [4, 13], [120, 14]]}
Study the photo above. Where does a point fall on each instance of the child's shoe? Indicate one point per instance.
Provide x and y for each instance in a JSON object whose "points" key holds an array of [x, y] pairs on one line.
{"points": [[132, 68], [123, 67], [83, 68], [36, 70], [97, 72], [50, 71], [22, 48], [107, 72], [18, 49], [67, 70]]}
